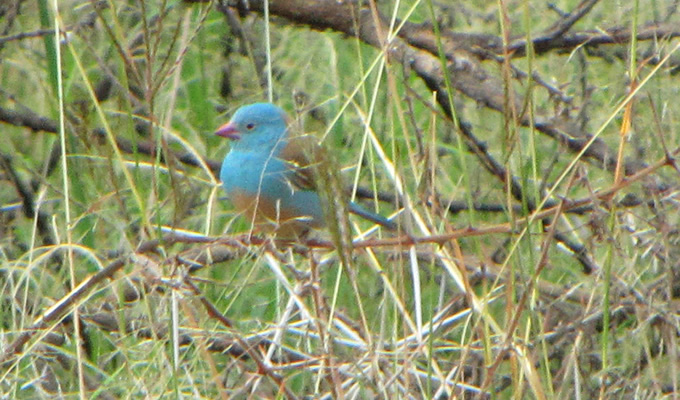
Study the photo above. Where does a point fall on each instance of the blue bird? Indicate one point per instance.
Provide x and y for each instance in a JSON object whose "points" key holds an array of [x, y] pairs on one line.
{"points": [[269, 173]]}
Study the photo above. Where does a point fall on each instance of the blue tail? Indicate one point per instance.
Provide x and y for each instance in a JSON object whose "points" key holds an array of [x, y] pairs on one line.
{"points": [[356, 209]]}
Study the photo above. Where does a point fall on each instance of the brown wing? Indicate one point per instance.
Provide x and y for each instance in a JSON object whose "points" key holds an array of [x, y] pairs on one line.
{"points": [[303, 154]]}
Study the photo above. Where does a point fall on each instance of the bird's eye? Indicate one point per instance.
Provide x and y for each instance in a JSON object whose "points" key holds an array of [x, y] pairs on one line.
{"points": [[250, 126]]}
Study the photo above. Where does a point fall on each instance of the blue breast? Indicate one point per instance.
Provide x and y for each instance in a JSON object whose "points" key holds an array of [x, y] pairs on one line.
{"points": [[254, 173]]}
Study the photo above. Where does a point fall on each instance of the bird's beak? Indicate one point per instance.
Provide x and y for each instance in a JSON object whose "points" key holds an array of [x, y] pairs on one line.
{"points": [[228, 131]]}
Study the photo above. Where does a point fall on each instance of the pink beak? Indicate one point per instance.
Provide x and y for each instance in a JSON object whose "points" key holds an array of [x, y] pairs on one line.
{"points": [[228, 131]]}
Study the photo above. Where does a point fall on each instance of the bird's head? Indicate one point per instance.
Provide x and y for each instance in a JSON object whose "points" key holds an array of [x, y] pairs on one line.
{"points": [[255, 125]]}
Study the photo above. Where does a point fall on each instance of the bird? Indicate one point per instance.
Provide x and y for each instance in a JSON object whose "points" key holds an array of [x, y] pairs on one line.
{"points": [[269, 173]]}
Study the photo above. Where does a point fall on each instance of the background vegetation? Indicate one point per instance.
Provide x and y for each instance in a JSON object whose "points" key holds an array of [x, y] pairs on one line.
{"points": [[526, 149]]}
